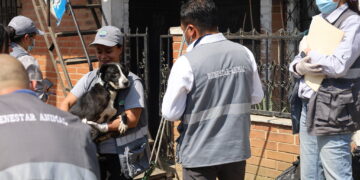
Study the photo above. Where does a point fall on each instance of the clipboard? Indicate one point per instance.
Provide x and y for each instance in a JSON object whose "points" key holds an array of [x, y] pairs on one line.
{"points": [[324, 38]]}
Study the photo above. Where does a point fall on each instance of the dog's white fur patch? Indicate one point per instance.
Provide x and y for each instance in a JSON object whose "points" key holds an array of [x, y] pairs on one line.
{"points": [[110, 111]]}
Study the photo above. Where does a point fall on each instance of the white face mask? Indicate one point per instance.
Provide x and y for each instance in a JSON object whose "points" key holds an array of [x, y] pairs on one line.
{"points": [[31, 47], [183, 41]]}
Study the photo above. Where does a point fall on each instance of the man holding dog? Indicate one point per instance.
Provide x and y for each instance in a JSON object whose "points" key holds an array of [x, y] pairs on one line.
{"points": [[38, 141], [114, 161], [211, 88]]}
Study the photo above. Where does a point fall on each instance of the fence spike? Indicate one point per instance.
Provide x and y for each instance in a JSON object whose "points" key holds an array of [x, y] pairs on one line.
{"points": [[253, 32], [241, 31]]}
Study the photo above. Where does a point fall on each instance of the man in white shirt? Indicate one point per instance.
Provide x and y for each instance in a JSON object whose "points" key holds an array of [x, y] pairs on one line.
{"points": [[211, 88]]}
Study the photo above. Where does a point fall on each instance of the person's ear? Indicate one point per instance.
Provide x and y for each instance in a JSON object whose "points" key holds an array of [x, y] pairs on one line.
{"points": [[191, 31], [27, 38], [120, 49]]}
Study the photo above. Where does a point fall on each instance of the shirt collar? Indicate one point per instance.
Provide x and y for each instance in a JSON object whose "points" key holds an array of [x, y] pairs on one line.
{"points": [[333, 16], [17, 47], [207, 39]]}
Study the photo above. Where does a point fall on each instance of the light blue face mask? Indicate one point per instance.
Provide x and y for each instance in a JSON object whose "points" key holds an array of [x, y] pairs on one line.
{"points": [[326, 6], [31, 47]]}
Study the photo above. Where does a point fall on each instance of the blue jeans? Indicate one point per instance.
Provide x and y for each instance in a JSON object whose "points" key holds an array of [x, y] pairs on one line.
{"points": [[324, 156]]}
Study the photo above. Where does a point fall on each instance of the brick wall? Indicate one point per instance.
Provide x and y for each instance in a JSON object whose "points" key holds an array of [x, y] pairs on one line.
{"points": [[273, 148], [69, 46]]}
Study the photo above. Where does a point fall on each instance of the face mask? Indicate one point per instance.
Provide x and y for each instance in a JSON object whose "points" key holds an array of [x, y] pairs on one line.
{"points": [[183, 40], [31, 47], [326, 6]]}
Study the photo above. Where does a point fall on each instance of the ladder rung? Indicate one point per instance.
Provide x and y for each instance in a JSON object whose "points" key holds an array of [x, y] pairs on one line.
{"points": [[86, 6], [74, 33], [79, 60]]}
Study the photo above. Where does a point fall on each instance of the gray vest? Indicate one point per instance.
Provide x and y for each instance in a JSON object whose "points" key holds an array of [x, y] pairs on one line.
{"points": [[216, 122], [38, 141]]}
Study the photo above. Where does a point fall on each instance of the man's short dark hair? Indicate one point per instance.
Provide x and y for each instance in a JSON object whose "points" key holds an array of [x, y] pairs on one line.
{"points": [[201, 13]]}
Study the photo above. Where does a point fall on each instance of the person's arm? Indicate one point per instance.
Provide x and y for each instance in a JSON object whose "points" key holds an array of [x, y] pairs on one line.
{"points": [[133, 117], [134, 105], [257, 91], [68, 102], [338, 64], [78, 90], [180, 83]]}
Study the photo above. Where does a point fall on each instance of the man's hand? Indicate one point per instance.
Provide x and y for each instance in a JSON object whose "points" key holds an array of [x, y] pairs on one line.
{"points": [[100, 127], [122, 126], [305, 67]]}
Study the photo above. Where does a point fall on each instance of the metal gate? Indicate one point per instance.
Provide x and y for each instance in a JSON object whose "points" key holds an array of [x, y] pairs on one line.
{"points": [[273, 53], [136, 56], [8, 9]]}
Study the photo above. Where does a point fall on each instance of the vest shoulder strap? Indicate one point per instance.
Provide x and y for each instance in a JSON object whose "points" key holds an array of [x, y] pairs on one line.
{"points": [[347, 13]]}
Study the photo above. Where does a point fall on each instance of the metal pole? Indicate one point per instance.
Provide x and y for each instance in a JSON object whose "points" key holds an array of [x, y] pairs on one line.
{"points": [[146, 62]]}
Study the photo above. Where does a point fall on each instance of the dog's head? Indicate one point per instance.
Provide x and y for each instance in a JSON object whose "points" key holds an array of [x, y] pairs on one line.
{"points": [[115, 75]]}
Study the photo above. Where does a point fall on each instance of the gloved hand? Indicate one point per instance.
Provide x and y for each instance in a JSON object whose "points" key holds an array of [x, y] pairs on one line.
{"points": [[100, 127], [305, 67], [356, 138], [122, 126]]}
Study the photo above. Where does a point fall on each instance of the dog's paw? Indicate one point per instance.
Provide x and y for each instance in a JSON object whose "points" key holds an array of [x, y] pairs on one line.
{"points": [[122, 127], [84, 121], [123, 123]]}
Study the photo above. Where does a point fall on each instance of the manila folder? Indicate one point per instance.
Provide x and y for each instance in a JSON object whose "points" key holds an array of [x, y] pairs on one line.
{"points": [[323, 38]]}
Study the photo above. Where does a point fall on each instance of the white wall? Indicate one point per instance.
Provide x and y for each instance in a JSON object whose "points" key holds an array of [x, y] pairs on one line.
{"points": [[117, 13]]}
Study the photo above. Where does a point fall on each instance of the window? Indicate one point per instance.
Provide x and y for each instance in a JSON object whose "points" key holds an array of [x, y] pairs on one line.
{"points": [[8, 9]]}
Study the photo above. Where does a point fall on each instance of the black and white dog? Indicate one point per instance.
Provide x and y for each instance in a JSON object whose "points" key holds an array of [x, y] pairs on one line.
{"points": [[97, 105]]}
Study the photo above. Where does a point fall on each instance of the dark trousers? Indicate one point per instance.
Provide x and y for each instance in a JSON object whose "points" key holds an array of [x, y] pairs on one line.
{"points": [[110, 167], [229, 171]]}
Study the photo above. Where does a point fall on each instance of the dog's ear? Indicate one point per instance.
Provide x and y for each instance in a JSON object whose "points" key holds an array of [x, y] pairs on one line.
{"points": [[124, 68], [103, 68]]}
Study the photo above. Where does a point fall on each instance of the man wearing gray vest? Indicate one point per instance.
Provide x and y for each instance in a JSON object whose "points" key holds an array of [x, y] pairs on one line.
{"points": [[39, 141], [211, 89]]}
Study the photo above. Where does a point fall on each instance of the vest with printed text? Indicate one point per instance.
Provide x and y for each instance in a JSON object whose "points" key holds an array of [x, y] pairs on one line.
{"points": [[216, 122]]}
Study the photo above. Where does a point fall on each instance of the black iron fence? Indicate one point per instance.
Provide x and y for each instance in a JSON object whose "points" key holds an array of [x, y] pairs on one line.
{"points": [[136, 56], [272, 52], [8, 9]]}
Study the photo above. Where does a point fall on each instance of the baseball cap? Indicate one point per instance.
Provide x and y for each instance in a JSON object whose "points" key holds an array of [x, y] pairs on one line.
{"points": [[108, 36], [24, 25]]}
